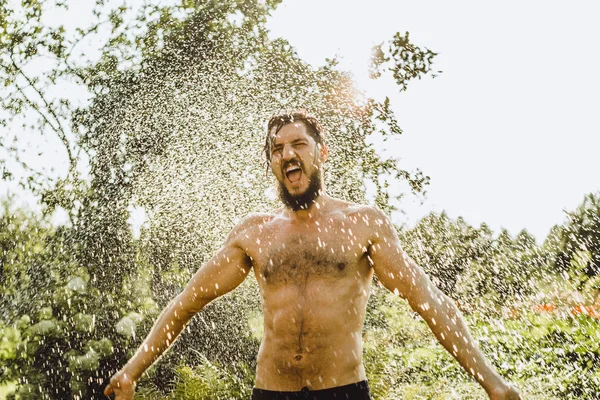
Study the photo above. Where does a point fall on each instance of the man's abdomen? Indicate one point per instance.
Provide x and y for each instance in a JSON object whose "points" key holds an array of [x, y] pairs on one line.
{"points": [[312, 337]]}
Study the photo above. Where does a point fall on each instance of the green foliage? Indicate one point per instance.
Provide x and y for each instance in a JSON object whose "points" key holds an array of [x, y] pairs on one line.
{"points": [[562, 354], [405, 60], [178, 100], [404, 360], [577, 243], [468, 263], [7, 389], [23, 241], [53, 318], [30, 101], [207, 381], [543, 355], [178, 132], [546, 356]]}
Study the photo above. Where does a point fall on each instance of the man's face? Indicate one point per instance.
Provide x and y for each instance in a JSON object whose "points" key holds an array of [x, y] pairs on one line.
{"points": [[296, 162]]}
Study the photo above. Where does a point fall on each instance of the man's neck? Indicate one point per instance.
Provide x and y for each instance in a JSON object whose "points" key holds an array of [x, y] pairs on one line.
{"points": [[313, 211]]}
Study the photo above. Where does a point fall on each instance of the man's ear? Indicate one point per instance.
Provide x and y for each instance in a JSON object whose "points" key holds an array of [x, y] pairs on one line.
{"points": [[324, 151]]}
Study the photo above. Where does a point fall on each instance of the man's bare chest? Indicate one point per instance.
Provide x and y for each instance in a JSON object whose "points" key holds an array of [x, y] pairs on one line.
{"points": [[287, 257]]}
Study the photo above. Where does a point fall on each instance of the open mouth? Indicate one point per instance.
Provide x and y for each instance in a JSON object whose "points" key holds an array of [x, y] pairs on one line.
{"points": [[293, 173]]}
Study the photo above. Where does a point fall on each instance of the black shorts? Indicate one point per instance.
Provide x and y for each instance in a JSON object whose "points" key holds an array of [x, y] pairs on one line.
{"points": [[353, 391]]}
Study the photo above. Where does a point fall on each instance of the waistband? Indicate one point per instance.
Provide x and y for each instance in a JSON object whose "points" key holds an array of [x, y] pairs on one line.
{"points": [[354, 391]]}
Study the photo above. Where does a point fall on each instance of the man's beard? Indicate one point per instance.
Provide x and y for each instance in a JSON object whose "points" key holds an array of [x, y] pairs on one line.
{"points": [[304, 200]]}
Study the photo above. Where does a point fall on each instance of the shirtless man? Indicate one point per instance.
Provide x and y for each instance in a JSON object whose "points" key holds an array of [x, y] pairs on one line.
{"points": [[314, 260]]}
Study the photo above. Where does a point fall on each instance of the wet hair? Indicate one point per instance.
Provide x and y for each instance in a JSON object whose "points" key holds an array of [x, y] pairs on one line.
{"points": [[313, 127]]}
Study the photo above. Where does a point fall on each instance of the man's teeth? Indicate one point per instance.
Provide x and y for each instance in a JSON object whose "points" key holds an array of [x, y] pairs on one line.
{"points": [[292, 168]]}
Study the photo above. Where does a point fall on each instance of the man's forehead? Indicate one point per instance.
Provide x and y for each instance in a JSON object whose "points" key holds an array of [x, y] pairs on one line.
{"points": [[291, 131]]}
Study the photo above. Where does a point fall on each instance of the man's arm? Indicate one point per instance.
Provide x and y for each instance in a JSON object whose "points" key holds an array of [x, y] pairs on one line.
{"points": [[223, 273], [399, 274]]}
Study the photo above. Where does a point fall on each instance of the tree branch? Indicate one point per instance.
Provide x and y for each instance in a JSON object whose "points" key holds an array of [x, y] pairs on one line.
{"points": [[58, 129]]}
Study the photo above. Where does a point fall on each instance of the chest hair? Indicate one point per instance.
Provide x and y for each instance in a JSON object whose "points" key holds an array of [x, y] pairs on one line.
{"points": [[299, 258]]}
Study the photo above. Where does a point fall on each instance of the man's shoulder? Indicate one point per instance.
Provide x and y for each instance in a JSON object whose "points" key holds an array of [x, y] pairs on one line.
{"points": [[255, 220], [369, 220], [364, 212]]}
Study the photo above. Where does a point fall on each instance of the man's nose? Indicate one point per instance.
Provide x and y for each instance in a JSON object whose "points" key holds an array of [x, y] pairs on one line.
{"points": [[288, 153]]}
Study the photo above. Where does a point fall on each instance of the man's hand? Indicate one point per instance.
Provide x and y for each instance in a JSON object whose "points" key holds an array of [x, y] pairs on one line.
{"points": [[121, 385], [507, 392]]}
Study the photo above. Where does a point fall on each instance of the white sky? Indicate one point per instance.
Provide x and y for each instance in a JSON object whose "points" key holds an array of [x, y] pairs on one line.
{"points": [[510, 132]]}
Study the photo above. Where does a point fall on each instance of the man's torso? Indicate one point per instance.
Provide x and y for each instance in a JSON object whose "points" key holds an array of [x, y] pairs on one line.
{"points": [[314, 279]]}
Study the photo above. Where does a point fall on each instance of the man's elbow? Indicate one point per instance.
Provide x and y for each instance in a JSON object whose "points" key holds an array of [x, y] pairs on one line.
{"points": [[429, 301], [185, 307]]}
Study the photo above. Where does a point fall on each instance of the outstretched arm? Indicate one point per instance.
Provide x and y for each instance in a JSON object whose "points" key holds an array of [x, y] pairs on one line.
{"points": [[223, 273], [399, 274]]}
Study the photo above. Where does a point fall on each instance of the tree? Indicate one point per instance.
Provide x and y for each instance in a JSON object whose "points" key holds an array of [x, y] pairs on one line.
{"points": [[468, 263], [46, 305], [576, 244], [178, 99], [403, 59], [446, 248], [190, 121]]}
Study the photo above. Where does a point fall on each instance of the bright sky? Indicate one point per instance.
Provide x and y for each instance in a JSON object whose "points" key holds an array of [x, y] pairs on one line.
{"points": [[509, 133]]}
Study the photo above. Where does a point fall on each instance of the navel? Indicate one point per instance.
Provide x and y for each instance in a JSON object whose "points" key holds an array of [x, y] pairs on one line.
{"points": [[341, 266]]}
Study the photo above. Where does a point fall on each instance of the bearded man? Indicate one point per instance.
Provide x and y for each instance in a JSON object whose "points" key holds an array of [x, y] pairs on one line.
{"points": [[314, 259]]}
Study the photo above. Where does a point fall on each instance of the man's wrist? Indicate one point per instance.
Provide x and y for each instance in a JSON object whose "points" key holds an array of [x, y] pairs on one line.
{"points": [[493, 382], [503, 390], [131, 373]]}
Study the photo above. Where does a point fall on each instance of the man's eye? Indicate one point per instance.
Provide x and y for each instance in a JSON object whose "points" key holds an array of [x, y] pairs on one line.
{"points": [[276, 152]]}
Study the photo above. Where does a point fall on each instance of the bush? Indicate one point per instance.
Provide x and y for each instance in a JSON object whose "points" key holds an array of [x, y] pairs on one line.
{"points": [[207, 381], [545, 356]]}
